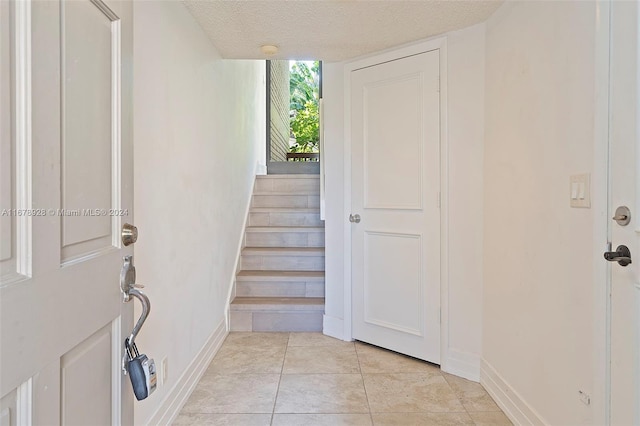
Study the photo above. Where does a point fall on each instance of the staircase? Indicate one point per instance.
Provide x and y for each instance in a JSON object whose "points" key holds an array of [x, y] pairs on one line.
{"points": [[280, 282]]}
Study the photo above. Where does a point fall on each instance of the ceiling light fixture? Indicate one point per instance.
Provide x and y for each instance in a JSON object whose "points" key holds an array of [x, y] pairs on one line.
{"points": [[269, 49]]}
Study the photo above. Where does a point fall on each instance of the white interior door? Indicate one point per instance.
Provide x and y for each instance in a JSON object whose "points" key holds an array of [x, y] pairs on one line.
{"points": [[623, 191], [66, 190], [395, 140]]}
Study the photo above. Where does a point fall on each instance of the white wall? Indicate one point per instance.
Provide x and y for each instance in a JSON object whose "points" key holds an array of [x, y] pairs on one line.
{"points": [[333, 99], [465, 130], [198, 135], [465, 127], [538, 252]]}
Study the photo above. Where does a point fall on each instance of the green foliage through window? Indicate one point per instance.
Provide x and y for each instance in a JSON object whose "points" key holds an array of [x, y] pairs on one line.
{"points": [[304, 83]]}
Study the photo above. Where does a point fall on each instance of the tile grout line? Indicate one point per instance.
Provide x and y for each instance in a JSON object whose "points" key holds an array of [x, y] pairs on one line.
{"points": [[457, 397], [466, 410], [366, 395], [275, 400]]}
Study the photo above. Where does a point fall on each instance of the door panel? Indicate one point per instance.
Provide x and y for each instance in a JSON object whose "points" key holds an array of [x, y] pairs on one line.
{"points": [[404, 266], [623, 169], [395, 189], [87, 50], [13, 176], [62, 320], [6, 145], [400, 187], [84, 371], [8, 408]]}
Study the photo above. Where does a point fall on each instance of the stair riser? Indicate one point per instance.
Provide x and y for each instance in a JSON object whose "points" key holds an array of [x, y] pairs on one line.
{"points": [[306, 186], [284, 239], [279, 289], [286, 201], [276, 321], [285, 219], [282, 263]]}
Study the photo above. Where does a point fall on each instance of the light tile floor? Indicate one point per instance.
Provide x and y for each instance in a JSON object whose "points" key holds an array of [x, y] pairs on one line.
{"points": [[311, 379]]}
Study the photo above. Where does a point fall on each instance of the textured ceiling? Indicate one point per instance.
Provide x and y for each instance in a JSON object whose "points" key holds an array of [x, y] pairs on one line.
{"points": [[329, 30]]}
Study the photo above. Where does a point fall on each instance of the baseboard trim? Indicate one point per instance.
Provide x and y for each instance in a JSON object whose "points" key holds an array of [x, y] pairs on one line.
{"points": [[462, 364], [261, 169], [231, 293], [333, 327], [178, 395], [513, 405]]}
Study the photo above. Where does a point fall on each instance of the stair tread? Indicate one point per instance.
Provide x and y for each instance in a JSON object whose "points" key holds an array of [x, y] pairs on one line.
{"points": [[277, 273], [284, 210], [278, 303], [282, 251], [292, 193], [285, 176], [285, 228], [281, 300]]}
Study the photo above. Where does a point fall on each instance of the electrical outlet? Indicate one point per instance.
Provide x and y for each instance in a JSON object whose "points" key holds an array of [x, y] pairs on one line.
{"points": [[5, 417], [585, 398], [164, 368]]}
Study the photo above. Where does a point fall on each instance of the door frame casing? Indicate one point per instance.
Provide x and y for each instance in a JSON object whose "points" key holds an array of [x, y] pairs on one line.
{"points": [[601, 391], [440, 44], [608, 59]]}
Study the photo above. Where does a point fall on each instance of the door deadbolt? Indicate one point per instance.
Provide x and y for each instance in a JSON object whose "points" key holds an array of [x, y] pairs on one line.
{"points": [[129, 234], [622, 216]]}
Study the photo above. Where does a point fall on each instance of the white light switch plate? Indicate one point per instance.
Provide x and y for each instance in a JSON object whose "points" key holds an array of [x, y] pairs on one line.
{"points": [[580, 190]]}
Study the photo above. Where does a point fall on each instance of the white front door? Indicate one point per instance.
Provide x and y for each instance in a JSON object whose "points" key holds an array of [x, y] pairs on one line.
{"points": [[624, 166], [395, 138], [66, 189]]}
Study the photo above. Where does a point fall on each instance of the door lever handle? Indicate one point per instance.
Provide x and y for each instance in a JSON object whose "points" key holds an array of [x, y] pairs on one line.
{"points": [[622, 255], [129, 289], [146, 308], [130, 341]]}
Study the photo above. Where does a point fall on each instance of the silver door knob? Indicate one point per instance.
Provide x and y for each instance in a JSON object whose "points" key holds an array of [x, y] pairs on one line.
{"points": [[129, 234], [354, 218]]}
